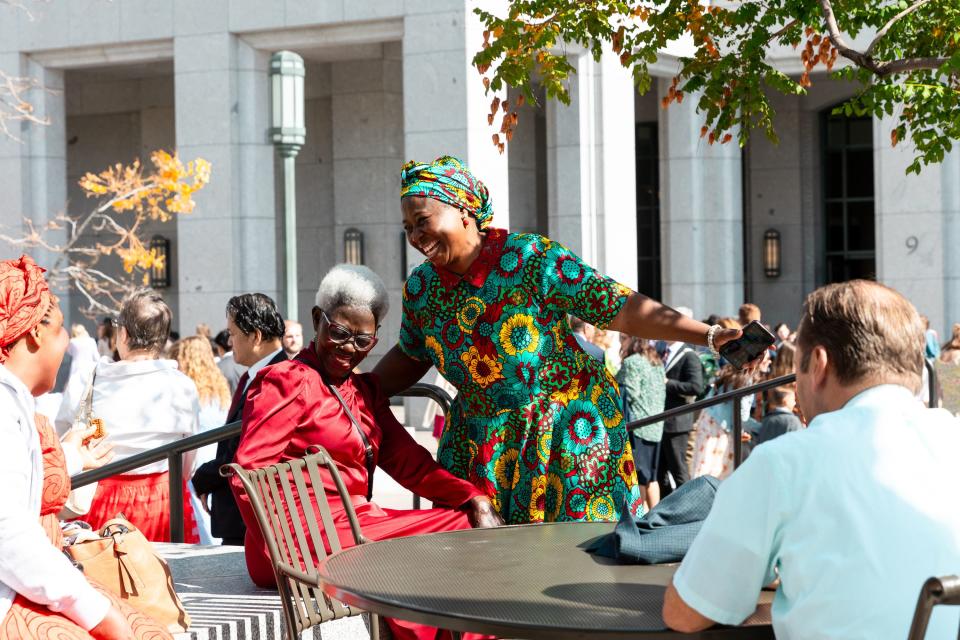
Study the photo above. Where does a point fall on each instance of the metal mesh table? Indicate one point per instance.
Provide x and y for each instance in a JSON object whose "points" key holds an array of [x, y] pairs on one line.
{"points": [[517, 582]]}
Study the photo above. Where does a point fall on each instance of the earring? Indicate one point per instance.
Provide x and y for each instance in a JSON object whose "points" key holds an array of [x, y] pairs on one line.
{"points": [[465, 223]]}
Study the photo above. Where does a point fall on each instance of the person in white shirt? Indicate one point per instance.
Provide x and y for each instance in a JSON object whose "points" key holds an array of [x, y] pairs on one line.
{"points": [[852, 514], [36, 579], [82, 348], [144, 402]]}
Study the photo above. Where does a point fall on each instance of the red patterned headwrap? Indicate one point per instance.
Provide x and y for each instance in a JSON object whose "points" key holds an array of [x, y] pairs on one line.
{"points": [[24, 300]]}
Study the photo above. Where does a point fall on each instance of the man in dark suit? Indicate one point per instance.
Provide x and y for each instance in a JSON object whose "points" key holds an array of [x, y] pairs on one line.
{"points": [[256, 330], [684, 383]]}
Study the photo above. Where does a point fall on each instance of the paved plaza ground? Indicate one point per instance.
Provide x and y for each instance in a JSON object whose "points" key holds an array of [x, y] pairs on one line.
{"points": [[224, 603]]}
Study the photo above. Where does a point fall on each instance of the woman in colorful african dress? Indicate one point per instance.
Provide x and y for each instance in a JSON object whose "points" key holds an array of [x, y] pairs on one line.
{"points": [[41, 594], [536, 423]]}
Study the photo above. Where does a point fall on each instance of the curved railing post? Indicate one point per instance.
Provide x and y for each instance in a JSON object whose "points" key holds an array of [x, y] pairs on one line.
{"points": [[175, 464], [737, 433], [931, 383]]}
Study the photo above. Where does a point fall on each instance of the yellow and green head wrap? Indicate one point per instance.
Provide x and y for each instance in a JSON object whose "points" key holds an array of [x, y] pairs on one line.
{"points": [[448, 180]]}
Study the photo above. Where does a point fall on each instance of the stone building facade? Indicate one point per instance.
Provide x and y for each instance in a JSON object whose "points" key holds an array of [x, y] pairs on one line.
{"points": [[631, 187]]}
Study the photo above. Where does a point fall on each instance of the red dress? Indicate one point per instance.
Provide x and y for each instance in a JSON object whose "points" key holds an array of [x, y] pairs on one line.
{"points": [[27, 620], [289, 407]]}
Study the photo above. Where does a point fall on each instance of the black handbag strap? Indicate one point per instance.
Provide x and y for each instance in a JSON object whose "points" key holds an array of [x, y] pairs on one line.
{"points": [[367, 448]]}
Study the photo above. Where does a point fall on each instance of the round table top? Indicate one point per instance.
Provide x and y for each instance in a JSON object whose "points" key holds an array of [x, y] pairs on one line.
{"points": [[534, 581]]}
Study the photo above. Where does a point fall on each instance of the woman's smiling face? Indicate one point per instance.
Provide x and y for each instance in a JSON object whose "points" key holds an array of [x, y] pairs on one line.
{"points": [[338, 360], [436, 229]]}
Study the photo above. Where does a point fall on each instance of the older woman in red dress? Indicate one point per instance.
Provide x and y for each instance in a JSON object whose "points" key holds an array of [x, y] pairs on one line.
{"points": [[297, 403]]}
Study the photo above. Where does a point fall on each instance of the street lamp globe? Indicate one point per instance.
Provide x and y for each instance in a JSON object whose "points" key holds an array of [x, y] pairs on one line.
{"points": [[286, 79]]}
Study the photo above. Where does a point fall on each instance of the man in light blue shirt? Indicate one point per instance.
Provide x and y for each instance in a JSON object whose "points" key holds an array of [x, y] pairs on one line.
{"points": [[852, 514]]}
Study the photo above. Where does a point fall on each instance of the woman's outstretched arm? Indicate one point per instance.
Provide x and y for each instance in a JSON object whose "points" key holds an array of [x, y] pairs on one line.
{"points": [[644, 317], [398, 371]]}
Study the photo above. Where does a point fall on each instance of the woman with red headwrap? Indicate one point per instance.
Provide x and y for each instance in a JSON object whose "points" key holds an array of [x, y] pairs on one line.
{"points": [[41, 594]]}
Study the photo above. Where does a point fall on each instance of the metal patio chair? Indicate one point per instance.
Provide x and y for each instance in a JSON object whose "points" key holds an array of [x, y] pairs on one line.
{"points": [[275, 492], [944, 590]]}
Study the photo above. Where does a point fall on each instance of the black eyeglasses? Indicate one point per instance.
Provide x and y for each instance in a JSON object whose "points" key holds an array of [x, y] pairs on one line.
{"points": [[339, 334]]}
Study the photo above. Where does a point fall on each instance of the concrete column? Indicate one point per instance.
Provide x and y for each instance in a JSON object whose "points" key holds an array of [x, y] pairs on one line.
{"points": [[776, 191], [917, 226], [527, 167], [367, 104], [445, 108], [228, 245], [444, 105], [33, 168], [951, 240], [591, 172], [701, 214]]}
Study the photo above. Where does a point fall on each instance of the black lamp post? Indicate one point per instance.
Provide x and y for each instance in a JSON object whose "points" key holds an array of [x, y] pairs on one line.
{"points": [[288, 133]]}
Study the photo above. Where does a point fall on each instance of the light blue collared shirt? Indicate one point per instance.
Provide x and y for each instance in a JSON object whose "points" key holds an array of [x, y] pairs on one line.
{"points": [[853, 513]]}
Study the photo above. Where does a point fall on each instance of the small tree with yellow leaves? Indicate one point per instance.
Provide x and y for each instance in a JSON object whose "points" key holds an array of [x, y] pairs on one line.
{"points": [[130, 196]]}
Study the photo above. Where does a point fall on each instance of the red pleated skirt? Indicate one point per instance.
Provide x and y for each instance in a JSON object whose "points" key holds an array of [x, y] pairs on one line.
{"points": [[144, 499]]}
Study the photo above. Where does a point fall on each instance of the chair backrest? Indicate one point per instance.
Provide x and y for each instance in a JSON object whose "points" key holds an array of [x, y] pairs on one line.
{"points": [[294, 532], [945, 590]]}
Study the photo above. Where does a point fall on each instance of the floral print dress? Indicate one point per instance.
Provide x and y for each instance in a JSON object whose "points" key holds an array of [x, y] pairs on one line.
{"points": [[536, 423]]}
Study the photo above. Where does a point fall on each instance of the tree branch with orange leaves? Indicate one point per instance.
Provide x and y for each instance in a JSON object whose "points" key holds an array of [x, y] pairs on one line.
{"points": [[908, 72], [129, 196]]}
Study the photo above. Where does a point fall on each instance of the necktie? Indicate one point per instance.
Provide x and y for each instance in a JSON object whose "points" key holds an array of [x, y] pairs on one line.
{"points": [[236, 405]]}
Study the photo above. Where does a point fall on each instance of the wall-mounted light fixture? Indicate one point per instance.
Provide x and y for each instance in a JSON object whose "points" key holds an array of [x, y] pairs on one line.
{"points": [[160, 271], [771, 253], [353, 246]]}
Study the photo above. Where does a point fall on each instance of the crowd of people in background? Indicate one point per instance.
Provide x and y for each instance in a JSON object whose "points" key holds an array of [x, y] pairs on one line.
{"points": [[542, 427], [655, 376], [187, 385]]}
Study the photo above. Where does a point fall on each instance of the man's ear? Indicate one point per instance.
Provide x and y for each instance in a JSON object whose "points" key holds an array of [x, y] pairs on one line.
{"points": [[257, 337], [820, 366]]}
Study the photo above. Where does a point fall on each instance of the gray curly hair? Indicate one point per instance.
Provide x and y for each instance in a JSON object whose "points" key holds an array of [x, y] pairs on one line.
{"points": [[353, 285]]}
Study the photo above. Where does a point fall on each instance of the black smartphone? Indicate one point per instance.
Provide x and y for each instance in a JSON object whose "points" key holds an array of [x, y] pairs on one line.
{"points": [[754, 341]]}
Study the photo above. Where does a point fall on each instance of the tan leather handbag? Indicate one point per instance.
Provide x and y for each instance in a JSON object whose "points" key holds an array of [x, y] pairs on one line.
{"points": [[123, 561]]}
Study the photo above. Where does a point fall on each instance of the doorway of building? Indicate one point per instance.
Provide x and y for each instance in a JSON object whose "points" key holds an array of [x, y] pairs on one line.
{"points": [[849, 241]]}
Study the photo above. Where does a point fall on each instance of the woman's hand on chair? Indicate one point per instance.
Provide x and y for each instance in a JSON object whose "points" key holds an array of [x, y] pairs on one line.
{"points": [[482, 513]]}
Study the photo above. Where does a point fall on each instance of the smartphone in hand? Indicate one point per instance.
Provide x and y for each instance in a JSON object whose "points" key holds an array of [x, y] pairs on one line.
{"points": [[748, 347]]}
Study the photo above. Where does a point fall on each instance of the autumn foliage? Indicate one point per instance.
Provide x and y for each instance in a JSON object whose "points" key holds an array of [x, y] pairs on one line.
{"points": [[129, 197], [909, 71]]}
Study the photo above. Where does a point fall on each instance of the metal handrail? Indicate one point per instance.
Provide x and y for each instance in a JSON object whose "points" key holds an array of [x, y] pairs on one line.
{"points": [[737, 394], [172, 452], [729, 396]]}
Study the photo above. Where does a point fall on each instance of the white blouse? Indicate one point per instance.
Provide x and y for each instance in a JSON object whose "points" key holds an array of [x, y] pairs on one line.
{"points": [[143, 404], [29, 564]]}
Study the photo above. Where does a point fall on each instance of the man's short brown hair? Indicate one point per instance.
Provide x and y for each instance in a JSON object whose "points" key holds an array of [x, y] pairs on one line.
{"points": [[747, 313], [867, 329], [146, 317]]}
